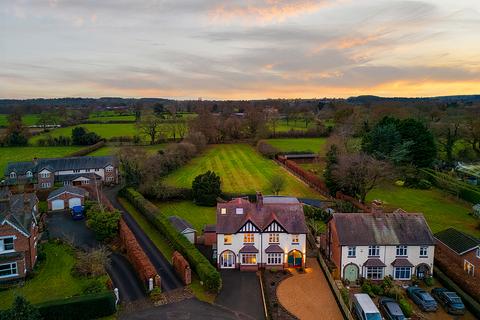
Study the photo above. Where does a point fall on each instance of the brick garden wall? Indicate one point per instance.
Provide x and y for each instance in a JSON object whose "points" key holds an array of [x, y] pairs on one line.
{"points": [[182, 268]]}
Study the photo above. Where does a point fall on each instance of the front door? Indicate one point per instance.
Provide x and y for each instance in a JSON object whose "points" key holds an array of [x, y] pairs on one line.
{"points": [[295, 259], [422, 271], [351, 273], [228, 260]]}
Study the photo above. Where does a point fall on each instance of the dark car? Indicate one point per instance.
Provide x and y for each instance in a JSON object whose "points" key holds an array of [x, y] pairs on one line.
{"points": [[449, 300], [422, 298], [391, 309], [78, 213]]}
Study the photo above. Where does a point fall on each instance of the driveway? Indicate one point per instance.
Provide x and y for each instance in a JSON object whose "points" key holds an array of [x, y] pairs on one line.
{"points": [[241, 292], [308, 295], [164, 269]]}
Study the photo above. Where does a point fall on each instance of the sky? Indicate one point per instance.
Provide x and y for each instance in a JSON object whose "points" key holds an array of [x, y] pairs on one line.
{"points": [[238, 49]]}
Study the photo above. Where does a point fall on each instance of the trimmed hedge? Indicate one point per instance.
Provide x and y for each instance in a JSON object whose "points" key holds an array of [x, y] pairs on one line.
{"points": [[205, 271], [84, 151], [79, 308]]}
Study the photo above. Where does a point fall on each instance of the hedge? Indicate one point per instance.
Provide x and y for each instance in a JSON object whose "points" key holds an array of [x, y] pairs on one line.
{"points": [[79, 308], [87, 150], [205, 271], [458, 188]]}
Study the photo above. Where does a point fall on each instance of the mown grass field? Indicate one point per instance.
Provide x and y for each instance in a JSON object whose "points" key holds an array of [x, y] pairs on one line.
{"points": [[282, 125], [111, 150], [196, 215], [13, 154], [241, 169], [111, 118], [441, 210], [28, 119], [314, 145], [54, 279]]}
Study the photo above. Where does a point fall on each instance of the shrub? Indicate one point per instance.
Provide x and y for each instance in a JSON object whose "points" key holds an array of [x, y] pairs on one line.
{"points": [[367, 288], [94, 286], [87, 150], [345, 296], [206, 189], [81, 137], [93, 262], [267, 150], [429, 281], [103, 223], [406, 307], [156, 294], [377, 290], [20, 310]]}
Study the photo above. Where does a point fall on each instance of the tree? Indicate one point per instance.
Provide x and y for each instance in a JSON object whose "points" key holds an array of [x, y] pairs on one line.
{"points": [[277, 184], [273, 120], [103, 223], [448, 134], [332, 161], [16, 133], [45, 119], [131, 161], [21, 310], [150, 126], [206, 189], [81, 137], [473, 129], [158, 109]]}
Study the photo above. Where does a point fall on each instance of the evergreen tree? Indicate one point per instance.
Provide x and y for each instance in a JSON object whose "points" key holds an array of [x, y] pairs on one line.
{"points": [[206, 189]]}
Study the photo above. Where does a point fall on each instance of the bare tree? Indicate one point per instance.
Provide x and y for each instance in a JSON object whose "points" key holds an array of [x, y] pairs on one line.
{"points": [[448, 134], [277, 184], [150, 126], [473, 129], [273, 117]]}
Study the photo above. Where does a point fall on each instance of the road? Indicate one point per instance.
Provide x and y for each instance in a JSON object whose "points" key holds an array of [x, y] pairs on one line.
{"points": [[124, 278], [164, 269]]}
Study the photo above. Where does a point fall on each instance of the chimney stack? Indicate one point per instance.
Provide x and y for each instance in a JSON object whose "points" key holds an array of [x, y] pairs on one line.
{"points": [[35, 160], [259, 200], [377, 207]]}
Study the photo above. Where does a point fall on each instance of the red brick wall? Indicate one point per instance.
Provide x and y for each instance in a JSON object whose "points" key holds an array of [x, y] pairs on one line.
{"points": [[136, 255], [210, 238], [182, 268], [22, 244], [335, 248]]}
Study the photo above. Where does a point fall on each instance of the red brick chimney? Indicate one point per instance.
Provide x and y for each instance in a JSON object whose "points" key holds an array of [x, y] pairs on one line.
{"points": [[259, 200]]}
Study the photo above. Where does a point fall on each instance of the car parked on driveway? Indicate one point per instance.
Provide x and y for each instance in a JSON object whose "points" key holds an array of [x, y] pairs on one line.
{"points": [[449, 300], [422, 298], [78, 213], [391, 309]]}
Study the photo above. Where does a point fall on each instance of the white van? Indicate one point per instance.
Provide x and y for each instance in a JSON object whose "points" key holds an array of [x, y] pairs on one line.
{"points": [[364, 307]]}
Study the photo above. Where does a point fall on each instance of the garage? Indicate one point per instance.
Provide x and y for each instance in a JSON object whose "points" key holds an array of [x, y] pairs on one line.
{"points": [[73, 202], [58, 204]]}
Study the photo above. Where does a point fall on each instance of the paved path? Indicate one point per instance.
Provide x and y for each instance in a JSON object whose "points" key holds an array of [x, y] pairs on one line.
{"points": [[308, 295], [170, 280]]}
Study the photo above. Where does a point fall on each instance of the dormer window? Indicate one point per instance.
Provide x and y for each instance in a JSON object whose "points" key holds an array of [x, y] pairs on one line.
{"points": [[29, 174], [239, 210], [13, 175], [223, 211]]}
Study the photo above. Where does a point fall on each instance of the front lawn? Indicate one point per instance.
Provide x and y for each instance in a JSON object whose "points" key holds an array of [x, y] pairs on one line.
{"points": [[196, 215], [242, 171], [441, 210], [53, 280], [313, 145], [14, 154]]}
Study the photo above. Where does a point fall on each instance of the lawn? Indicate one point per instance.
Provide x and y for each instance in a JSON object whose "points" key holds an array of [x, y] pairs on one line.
{"points": [[13, 154], [28, 119], [314, 145], [282, 125], [196, 215], [441, 211], [111, 150], [242, 171], [54, 279]]}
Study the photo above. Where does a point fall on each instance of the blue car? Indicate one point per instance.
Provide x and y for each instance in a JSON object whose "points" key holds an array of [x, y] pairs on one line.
{"points": [[449, 300], [78, 213], [422, 298]]}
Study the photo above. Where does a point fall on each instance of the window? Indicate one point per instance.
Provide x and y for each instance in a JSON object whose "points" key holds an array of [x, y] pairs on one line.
{"points": [[273, 238], [87, 170], [29, 174], [6, 244], [275, 258], [109, 179], [76, 170], [13, 175], [248, 238], [468, 267], [295, 238], [403, 273], [109, 169], [423, 252], [374, 251], [239, 210], [374, 273], [8, 270], [227, 239], [45, 175], [478, 252], [45, 185], [401, 251], [85, 181], [249, 258], [352, 252], [223, 211]]}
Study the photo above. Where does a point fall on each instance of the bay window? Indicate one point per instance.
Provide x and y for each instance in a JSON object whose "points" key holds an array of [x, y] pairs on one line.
{"points": [[402, 273], [275, 258], [374, 273], [249, 258]]}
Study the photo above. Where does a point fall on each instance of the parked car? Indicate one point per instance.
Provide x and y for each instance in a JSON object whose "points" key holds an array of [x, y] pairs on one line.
{"points": [[364, 307], [78, 213], [449, 300], [422, 298], [391, 309]]}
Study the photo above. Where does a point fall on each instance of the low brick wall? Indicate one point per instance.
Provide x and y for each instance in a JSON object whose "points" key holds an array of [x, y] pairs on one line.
{"points": [[182, 268], [137, 257]]}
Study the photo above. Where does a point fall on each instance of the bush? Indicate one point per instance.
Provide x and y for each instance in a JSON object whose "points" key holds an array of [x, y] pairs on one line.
{"points": [[367, 288], [92, 263], [103, 223], [81, 137], [94, 286], [79, 308], [406, 307], [267, 150], [206, 189], [429, 281], [345, 296], [206, 272], [20, 310]]}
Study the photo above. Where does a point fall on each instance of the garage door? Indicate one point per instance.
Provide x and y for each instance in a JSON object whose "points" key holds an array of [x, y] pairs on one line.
{"points": [[73, 202], [58, 205]]}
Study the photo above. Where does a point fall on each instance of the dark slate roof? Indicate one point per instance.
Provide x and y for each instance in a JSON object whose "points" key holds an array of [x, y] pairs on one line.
{"points": [[73, 176], [210, 228], [401, 262], [374, 262], [69, 189], [179, 223], [457, 241], [248, 249], [60, 164], [18, 211], [399, 228], [287, 213], [274, 248]]}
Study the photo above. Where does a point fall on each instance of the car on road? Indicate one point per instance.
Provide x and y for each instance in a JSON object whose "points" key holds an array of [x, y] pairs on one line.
{"points": [[422, 298], [78, 213], [449, 300], [391, 309]]}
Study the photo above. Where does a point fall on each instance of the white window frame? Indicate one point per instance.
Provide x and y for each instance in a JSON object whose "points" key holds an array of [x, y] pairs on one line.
{"points": [[249, 259], [29, 174], [249, 237], [273, 238], [424, 249], [274, 258], [478, 252], [238, 210], [374, 251], [374, 273], [109, 179], [400, 270], [227, 239], [13, 270], [109, 169], [471, 270], [351, 252], [2, 244], [45, 175], [45, 185], [13, 175], [295, 238], [223, 211], [401, 251]]}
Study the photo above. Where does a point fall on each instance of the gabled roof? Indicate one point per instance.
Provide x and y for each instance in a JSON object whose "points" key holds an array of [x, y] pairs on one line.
{"points": [[398, 228], [67, 189], [17, 212], [180, 224], [73, 176], [458, 241]]}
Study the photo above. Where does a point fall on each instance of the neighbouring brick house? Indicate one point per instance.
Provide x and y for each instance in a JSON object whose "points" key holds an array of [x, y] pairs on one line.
{"points": [[374, 245], [18, 234], [66, 197], [459, 248], [270, 233], [44, 173]]}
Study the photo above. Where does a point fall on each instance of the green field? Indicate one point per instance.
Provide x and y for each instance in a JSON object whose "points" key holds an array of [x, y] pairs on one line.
{"points": [[241, 169], [13, 154], [111, 118], [314, 145], [440, 210], [54, 279], [111, 150], [196, 215], [282, 125], [28, 119]]}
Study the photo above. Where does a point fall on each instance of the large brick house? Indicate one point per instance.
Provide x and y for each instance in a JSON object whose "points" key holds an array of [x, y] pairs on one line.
{"points": [[270, 233], [44, 173], [374, 245], [458, 248], [18, 234]]}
